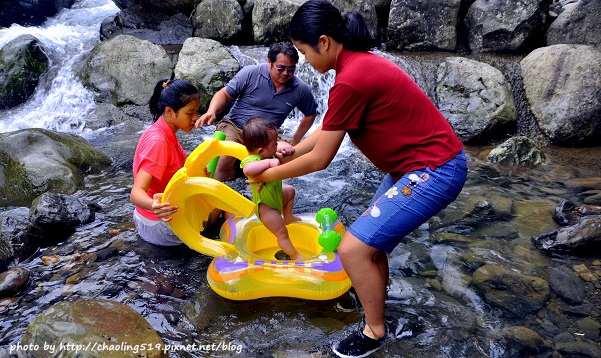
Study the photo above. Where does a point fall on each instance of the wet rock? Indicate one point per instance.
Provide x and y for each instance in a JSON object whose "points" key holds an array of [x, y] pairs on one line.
{"points": [[513, 292], [582, 310], [586, 234], [578, 350], [476, 98], [522, 342], [564, 337], [34, 161], [568, 213], [99, 322], [22, 63], [13, 281], [517, 150], [567, 285], [565, 101], [590, 328], [18, 238], [59, 213]]}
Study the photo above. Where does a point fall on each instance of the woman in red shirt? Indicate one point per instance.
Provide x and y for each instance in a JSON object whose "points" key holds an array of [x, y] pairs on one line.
{"points": [[174, 105], [396, 126]]}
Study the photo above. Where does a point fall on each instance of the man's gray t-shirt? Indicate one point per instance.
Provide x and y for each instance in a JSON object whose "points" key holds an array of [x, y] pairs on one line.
{"points": [[255, 95]]}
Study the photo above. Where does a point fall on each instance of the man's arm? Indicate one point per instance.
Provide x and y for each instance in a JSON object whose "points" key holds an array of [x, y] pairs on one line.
{"points": [[304, 126], [218, 103]]}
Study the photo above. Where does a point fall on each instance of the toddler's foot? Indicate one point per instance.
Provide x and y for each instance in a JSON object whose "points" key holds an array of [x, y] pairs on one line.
{"points": [[291, 219]]}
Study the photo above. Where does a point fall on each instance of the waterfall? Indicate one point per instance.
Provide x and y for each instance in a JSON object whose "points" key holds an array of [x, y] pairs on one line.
{"points": [[60, 101]]}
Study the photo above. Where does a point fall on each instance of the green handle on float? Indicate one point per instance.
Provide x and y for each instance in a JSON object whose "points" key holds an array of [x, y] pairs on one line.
{"points": [[213, 163], [329, 239]]}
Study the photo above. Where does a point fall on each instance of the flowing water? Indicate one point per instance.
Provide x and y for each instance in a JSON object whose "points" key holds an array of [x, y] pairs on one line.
{"points": [[106, 259]]}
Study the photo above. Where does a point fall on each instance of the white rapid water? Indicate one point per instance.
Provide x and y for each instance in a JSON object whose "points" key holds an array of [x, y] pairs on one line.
{"points": [[60, 101]]}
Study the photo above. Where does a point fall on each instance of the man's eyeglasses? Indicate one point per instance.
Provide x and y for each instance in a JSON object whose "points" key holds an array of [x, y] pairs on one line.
{"points": [[290, 69]]}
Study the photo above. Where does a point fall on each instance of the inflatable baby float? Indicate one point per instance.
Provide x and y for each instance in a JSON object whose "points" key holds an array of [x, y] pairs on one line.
{"points": [[244, 265]]}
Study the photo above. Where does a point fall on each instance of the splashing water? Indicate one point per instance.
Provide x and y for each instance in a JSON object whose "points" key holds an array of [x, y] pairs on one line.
{"points": [[60, 100]]}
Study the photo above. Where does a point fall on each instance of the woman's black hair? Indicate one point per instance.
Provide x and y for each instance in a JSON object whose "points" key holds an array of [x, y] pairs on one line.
{"points": [[317, 17], [175, 94], [256, 133]]}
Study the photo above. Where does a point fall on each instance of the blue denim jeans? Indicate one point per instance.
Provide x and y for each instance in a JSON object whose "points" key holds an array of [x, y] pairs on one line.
{"points": [[400, 207]]}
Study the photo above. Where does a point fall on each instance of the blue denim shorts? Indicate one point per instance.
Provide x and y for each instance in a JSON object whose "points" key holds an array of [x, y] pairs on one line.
{"points": [[400, 207]]}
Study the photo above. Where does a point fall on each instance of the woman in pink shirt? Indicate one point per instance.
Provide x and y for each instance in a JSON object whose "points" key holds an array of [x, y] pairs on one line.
{"points": [[174, 105]]}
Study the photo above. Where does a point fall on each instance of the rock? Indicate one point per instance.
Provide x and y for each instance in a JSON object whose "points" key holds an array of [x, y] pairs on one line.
{"points": [[504, 25], [30, 12], [475, 98], [13, 281], [578, 349], [522, 342], [165, 7], [562, 84], [584, 235], [567, 213], [580, 23], [22, 63], [58, 214], [207, 64], [220, 20], [270, 18], [34, 161], [567, 285], [18, 238], [517, 150], [517, 294], [95, 322], [147, 24], [423, 25], [125, 69], [590, 328]]}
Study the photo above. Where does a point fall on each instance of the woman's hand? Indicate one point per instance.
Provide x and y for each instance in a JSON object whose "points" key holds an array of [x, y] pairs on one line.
{"points": [[207, 118], [163, 211]]}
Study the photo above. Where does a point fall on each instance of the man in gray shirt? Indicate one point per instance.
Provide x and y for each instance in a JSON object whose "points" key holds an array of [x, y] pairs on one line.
{"points": [[269, 90]]}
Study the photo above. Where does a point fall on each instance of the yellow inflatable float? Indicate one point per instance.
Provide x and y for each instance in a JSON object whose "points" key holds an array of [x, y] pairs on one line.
{"points": [[244, 266]]}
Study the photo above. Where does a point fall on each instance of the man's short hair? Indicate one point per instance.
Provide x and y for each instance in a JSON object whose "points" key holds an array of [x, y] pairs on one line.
{"points": [[285, 48]]}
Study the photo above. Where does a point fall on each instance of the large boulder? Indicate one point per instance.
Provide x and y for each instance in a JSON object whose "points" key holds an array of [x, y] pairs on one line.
{"points": [[168, 7], [505, 25], [125, 69], [33, 161], [270, 18], [562, 84], [207, 64], [423, 25], [22, 62], [475, 98], [580, 23], [30, 12], [220, 20], [147, 24], [106, 328]]}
